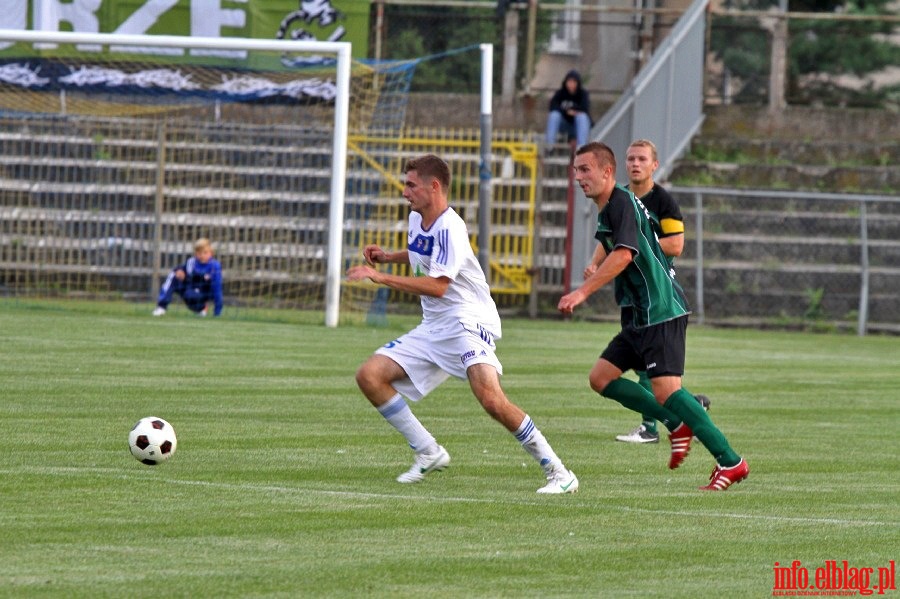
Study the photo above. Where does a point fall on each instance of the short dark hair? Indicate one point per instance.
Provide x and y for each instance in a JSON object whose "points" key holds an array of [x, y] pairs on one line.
{"points": [[602, 152], [432, 166]]}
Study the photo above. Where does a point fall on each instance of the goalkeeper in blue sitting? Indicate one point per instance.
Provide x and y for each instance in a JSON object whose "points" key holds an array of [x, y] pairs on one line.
{"points": [[198, 281]]}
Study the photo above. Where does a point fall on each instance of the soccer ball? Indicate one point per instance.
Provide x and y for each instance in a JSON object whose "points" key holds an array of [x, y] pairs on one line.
{"points": [[152, 440]]}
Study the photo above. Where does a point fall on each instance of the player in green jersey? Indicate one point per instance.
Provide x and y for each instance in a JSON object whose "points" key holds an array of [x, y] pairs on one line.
{"points": [[641, 161], [655, 339]]}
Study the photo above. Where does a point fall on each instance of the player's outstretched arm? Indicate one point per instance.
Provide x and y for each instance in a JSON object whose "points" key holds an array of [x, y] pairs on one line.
{"points": [[373, 255], [613, 264], [433, 286]]}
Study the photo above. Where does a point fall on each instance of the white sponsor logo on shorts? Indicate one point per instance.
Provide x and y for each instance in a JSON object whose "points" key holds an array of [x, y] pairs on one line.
{"points": [[467, 356]]}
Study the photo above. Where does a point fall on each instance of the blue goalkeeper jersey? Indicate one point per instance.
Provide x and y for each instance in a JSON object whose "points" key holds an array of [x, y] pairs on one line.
{"points": [[204, 280]]}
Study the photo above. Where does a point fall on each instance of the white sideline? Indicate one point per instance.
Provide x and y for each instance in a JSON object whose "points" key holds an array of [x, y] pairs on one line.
{"points": [[305, 491]]}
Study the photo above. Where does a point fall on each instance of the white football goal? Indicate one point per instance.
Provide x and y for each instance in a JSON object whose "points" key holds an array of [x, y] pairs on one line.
{"points": [[118, 151]]}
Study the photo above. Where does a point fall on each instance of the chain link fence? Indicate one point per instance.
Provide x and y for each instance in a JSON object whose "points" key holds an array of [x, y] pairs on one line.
{"points": [[816, 260], [761, 258]]}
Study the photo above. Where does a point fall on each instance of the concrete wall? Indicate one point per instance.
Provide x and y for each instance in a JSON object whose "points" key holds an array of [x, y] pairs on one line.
{"points": [[530, 113], [839, 124]]}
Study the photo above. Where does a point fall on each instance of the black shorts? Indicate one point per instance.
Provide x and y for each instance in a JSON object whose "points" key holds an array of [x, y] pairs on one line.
{"points": [[659, 349]]}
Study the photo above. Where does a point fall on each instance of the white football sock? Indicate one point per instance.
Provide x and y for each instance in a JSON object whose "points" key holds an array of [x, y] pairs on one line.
{"points": [[398, 414], [537, 446]]}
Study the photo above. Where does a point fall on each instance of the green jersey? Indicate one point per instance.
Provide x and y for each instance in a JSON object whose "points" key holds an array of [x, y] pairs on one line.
{"points": [[648, 283]]}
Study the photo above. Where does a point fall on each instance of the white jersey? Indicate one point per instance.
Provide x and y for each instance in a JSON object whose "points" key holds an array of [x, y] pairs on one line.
{"points": [[444, 251]]}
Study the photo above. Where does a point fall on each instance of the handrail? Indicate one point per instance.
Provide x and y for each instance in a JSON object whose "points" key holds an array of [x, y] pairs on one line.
{"points": [[622, 109]]}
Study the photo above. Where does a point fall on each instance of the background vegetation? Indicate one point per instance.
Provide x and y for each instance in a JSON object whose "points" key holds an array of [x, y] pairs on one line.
{"points": [[828, 59], [820, 52]]}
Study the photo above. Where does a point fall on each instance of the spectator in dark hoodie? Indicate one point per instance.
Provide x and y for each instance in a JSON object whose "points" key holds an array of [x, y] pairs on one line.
{"points": [[570, 111]]}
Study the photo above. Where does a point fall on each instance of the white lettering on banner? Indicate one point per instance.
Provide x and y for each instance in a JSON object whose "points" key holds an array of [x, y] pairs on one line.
{"points": [[80, 14], [13, 15], [145, 17], [207, 20], [140, 22]]}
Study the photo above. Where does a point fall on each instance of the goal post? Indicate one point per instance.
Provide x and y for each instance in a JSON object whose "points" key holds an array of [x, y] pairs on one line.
{"points": [[28, 254]]}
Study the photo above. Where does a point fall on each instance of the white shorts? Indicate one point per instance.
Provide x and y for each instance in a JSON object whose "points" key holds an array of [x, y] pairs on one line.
{"points": [[429, 356]]}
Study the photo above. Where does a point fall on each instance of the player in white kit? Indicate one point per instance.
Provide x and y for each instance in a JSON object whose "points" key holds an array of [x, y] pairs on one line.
{"points": [[456, 336]]}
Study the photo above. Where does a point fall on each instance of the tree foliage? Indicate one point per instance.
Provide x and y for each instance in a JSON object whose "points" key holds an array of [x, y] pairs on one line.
{"points": [[435, 31], [820, 51]]}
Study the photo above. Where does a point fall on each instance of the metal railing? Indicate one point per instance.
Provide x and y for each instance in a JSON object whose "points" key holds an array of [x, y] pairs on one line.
{"points": [[665, 101], [824, 256]]}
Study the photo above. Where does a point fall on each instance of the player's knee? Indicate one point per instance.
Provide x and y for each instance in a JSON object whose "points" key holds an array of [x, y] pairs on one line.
{"points": [[598, 382], [366, 377]]}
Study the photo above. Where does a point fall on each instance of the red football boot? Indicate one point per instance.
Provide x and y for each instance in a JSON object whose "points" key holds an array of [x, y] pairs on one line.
{"points": [[680, 439], [722, 478]]}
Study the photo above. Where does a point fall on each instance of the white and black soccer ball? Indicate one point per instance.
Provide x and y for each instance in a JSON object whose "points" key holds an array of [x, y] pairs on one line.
{"points": [[152, 440]]}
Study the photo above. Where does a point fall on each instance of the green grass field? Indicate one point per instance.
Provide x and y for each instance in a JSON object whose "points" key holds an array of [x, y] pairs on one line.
{"points": [[283, 482]]}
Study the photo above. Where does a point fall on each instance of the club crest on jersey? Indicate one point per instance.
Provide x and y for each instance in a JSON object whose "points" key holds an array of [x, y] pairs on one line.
{"points": [[422, 245]]}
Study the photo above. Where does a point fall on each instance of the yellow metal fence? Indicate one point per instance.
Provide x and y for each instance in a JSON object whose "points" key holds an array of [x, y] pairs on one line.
{"points": [[514, 170]]}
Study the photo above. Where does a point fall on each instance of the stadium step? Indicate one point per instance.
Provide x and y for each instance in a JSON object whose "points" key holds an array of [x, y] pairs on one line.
{"points": [[90, 192]]}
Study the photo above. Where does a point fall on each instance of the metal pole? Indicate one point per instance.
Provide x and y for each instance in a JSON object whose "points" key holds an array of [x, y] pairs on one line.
{"points": [[864, 270], [484, 173], [158, 209], [698, 261], [570, 227], [379, 28], [510, 58], [778, 61], [537, 252], [338, 189], [530, 45]]}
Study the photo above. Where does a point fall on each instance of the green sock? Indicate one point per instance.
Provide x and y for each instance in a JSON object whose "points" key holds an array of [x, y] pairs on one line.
{"points": [[648, 421], [692, 413], [636, 398]]}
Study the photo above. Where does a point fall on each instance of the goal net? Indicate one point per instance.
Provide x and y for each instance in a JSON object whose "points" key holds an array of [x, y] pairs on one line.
{"points": [[118, 152]]}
